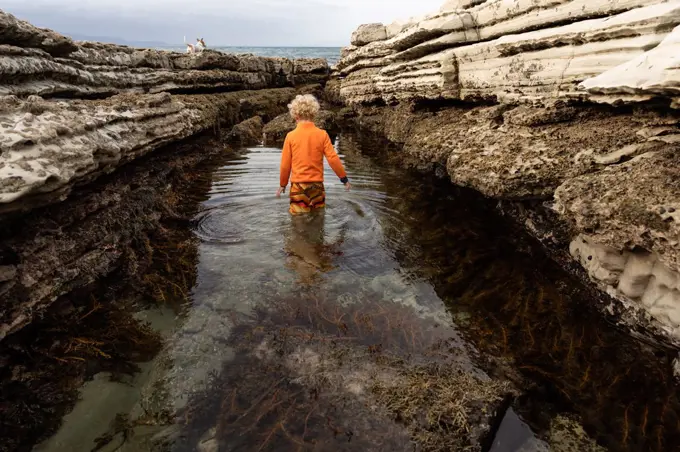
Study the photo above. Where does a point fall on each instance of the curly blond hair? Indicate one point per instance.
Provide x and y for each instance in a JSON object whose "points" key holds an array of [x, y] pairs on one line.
{"points": [[304, 107]]}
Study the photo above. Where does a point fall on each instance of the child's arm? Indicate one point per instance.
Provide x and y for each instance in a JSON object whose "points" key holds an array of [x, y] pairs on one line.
{"points": [[334, 160], [286, 162]]}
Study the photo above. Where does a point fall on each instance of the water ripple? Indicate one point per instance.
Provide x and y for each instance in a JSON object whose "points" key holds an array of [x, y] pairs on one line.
{"points": [[242, 207]]}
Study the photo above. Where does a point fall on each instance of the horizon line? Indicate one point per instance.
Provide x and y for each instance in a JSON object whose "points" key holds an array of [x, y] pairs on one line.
{"points": [[265, 46], [131, 43]]}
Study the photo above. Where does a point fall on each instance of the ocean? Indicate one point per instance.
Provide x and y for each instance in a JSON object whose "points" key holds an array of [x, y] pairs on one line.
{"points": [[331, 54]]}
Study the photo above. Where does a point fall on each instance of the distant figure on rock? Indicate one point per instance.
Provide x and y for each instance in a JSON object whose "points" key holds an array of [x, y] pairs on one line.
{"points": [[197, 48], [303, 152]]}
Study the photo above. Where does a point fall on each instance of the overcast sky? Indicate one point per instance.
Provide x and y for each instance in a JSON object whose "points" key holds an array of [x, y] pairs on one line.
{"points": [[220, 22]]}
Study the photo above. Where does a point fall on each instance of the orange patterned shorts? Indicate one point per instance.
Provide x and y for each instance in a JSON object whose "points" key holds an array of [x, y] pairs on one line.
{"points": [[305, 197]]}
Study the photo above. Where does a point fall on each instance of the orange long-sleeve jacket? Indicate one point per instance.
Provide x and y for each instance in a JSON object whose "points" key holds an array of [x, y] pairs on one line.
{"points": [[303, 152]]}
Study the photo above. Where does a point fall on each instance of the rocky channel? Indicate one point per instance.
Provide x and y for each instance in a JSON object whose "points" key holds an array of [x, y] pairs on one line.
{"points": [[560, 114]]}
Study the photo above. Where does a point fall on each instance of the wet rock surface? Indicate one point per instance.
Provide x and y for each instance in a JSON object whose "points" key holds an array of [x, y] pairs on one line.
{"points": [[67, 246], [371, 346], [368, 344], [607, 173], [248, 132], [82, 248], [121, 245]]}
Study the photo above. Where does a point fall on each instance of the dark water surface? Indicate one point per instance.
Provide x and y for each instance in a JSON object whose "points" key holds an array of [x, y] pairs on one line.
{"points": [[377, 322]]}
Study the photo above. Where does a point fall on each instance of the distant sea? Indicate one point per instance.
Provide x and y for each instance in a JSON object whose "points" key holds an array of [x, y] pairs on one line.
{"points": [[331, 54]]}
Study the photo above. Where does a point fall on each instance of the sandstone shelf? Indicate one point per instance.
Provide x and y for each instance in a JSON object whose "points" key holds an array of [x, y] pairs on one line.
{"points": [[70, 112]]}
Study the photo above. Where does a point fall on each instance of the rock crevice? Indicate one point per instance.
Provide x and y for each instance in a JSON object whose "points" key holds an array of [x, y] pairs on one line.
{"points": [[565, 110]]}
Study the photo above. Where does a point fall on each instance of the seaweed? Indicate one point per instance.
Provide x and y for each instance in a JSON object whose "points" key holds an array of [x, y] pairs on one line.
{"points": [[314, 374], [92, 328], [524, 312], [46, 363]]}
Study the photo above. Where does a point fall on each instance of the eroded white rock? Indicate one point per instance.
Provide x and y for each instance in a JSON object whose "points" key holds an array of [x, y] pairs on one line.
{"points": [[368, 33], [442, 56], [635, 275], [456, 5], [656, 72]]}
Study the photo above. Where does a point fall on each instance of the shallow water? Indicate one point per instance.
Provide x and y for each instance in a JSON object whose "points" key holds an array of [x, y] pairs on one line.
{"points": [[316, 332]]}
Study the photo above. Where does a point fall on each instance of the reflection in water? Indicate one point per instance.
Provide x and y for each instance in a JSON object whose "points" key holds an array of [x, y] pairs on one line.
{"points": [[324, 322], [307, 252], [405, 300]]}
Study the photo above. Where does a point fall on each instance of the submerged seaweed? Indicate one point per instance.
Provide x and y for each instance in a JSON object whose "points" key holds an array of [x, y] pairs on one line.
{"points": [[314, 374], [45, 364], [93, 329], [524, 313]]}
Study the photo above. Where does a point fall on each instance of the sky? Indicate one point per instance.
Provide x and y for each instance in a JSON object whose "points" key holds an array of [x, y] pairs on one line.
{"points": [[220, 22]]}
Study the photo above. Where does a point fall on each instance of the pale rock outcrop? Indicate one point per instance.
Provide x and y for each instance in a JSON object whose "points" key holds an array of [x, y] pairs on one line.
{"points": [[629, 275], [392, 30], [501, 49], [654, 73], [115, 69], [368, 33], [46, 146], [345, 51], [456, 5]]}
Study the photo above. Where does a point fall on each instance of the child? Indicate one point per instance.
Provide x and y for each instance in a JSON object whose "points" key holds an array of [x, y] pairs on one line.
{"points": [[303, 152]]}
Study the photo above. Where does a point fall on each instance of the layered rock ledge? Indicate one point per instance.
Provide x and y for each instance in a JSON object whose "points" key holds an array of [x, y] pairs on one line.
{"points": [[72, 112], [562, 111]]}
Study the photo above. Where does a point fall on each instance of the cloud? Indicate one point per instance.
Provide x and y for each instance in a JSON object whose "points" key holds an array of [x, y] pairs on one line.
{"points": [[237, 23]]}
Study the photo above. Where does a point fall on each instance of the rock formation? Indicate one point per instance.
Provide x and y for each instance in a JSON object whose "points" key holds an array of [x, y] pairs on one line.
{"points": [[563, 111], [276, 130], [72, 112]]}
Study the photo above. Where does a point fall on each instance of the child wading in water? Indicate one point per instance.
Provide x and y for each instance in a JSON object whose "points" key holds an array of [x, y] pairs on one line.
{"points": [[303, 153]]}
